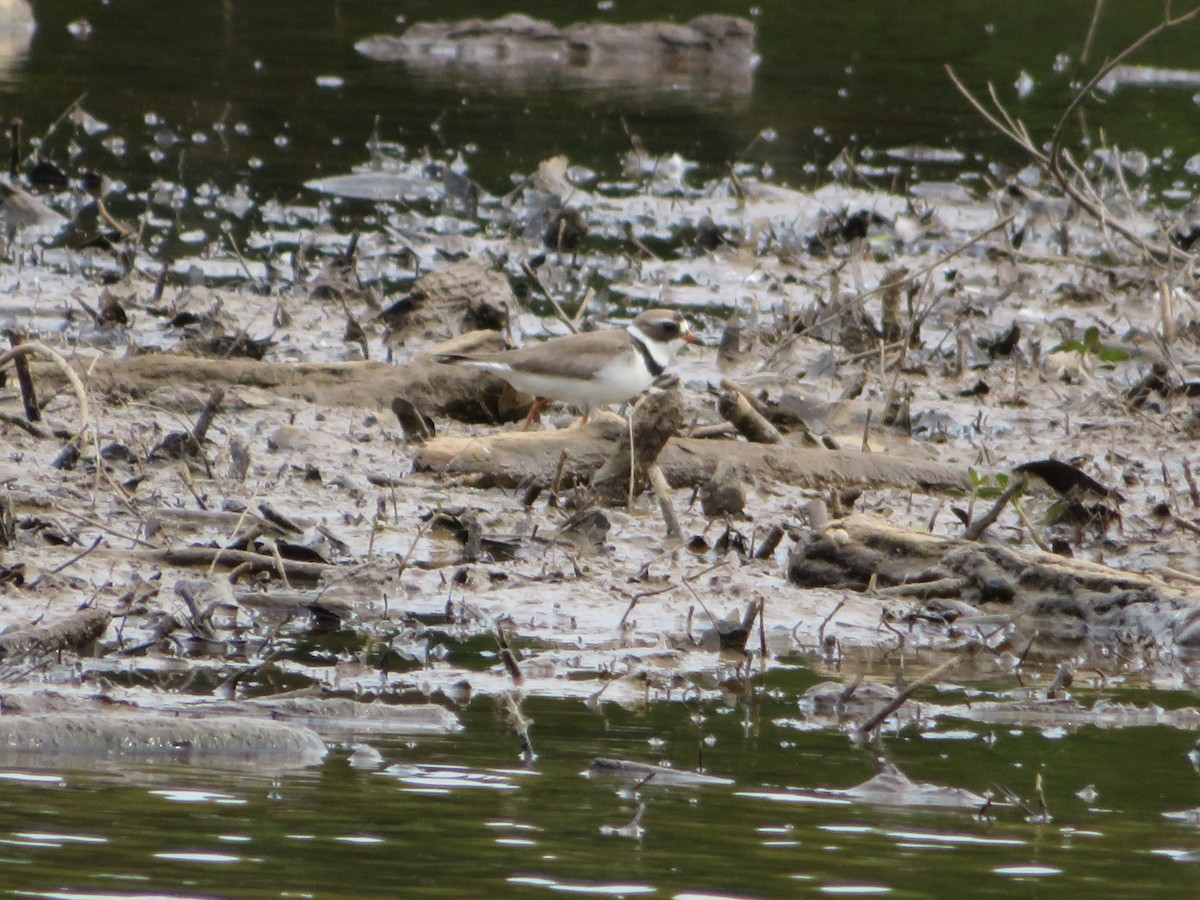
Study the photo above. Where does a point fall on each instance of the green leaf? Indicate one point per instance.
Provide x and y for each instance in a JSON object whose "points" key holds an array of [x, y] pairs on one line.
{"points": [[1071, 346], [1113, 354], [1055, 512]]}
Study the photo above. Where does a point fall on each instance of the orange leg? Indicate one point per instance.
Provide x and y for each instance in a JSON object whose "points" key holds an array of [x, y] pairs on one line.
{"points": [[535, 411]]}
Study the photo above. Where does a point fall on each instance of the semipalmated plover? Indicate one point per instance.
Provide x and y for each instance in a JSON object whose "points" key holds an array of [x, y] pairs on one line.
{"points": [[593, 367]]}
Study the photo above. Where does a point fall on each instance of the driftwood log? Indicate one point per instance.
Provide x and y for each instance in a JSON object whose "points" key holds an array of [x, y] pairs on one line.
{"points": [[253, 562], [712, 51], [507, 459], [655, 419], [75, 632], [462, 297], [107, 734], [307, 708], [458, 392], [746, 419], [1063, 599], [285, 603]]}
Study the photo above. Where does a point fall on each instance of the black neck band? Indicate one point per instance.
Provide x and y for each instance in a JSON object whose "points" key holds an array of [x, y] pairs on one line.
{"points": [[652, 364]]}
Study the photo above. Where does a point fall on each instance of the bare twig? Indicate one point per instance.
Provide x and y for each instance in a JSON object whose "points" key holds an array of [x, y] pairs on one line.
{"points": [[901, 698], [71, 107], [914, 276], [1056, 161], [558, 310], [1091, 32], [980, 525], [108, 529], [640, 596], [1033, 532], [1056, 136], [824, 622], [24, 379], [77, 557], [65, 367], [662, 492]]}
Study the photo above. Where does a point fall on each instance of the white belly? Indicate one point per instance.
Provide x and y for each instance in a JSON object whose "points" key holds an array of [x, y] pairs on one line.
{"points": [[615, 383]]}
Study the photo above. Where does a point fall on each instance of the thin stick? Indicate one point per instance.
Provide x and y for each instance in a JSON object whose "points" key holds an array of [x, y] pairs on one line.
{"points": [[16, 337], [508, 657], [77, 557], [1166, 573], [662, 492], [123, 231], [639, 596], [1033, 533], [762, 628], [1052, 162], [1193, 491], [71, 107], [28, 426], [632, 460], [913, 276], [1091, 32], [237, 253], [637, 243], [1056, 137], [537, 283], [672, 587], [583, 307], [416, 539], [980, 525], [210, 556], [41, 349], [900, 699], [105, 528], [833, 612]]}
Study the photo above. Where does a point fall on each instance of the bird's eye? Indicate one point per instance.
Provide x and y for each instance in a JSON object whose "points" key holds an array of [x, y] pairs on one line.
{"points": [[671, 327]]}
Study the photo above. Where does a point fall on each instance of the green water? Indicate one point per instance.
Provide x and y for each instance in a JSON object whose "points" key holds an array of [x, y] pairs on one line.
{"points": [[861, 75], [465, 819]]}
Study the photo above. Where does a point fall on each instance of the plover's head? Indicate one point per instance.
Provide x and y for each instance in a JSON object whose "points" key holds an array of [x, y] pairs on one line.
{"points": [[665, 328]]}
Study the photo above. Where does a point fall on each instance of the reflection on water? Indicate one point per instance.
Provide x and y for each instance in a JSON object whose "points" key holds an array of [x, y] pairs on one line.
{"points": [[709, 56], [237, 122], [14, 45], [16, 35], [444, 779], [452, 816], [292, 99]]}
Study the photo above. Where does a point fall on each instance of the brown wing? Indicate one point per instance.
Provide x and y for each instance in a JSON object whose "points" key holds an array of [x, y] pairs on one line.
{"points": [[572, 356]]}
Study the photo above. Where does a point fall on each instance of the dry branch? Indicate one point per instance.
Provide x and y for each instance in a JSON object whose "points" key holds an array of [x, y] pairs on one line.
{"points": [[256, 562], [1057, 163], [511, 459], [752, 425], [37, 347], [1068, 600], [656, 418], [73, 633]]}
